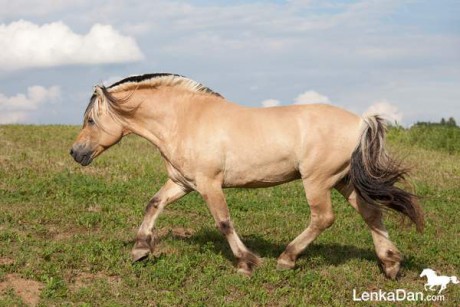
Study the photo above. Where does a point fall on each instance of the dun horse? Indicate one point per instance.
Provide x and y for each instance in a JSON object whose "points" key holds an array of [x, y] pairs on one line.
{"points": [[209, 144]]}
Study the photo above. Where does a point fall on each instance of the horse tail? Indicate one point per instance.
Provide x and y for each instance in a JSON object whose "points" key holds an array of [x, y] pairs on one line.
{"points": [[373, 174], [454, 280]]}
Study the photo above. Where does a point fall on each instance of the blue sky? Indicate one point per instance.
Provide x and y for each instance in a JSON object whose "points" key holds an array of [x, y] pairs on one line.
{"points": [[401, 58]]}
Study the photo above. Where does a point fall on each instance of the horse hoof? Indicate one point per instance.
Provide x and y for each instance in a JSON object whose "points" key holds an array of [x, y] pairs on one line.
{"points": [[244, 271], [284, 265], [391, 271], [285, 262], [141, 250], [390, 263], [138, 254]]}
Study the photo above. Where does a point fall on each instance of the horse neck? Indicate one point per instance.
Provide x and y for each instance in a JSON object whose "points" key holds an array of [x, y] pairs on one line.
{"points": [[159, 115]]}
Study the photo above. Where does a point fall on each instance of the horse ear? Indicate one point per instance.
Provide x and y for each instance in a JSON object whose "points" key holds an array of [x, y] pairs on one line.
{"points": [[98, 91]]}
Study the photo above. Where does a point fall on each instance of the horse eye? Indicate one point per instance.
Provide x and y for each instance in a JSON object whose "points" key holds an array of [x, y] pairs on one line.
{"points": [[90, 121]]}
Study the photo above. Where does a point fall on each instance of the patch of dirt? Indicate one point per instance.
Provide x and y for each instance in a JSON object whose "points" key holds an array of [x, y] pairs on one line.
{"points": [[182, 232], [160, 233], [6, 261], [179, 232], [28, 290], [59, 234], [84, 279], [94, 209]]}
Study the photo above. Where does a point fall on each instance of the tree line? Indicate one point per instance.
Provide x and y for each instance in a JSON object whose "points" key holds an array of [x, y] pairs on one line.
{"points": [[449, 122]]}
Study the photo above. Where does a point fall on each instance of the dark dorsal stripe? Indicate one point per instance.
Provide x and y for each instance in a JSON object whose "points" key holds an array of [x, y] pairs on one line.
{"points": [[140, 78]]}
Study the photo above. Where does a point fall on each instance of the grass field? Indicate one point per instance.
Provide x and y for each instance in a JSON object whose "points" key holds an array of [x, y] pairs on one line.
{"points": [[66, 231]]}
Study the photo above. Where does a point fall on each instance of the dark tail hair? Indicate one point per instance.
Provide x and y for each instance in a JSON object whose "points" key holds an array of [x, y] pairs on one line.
{"points": [[373, 174]]}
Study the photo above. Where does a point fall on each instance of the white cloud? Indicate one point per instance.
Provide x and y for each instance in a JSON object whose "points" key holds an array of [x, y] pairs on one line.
{"points": [[304, 98], [387, 110], [270, 103], [311, 97], [24, 44], [17, 108]]}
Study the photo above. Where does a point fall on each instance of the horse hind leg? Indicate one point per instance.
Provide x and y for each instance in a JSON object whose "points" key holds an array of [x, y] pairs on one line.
{"points": [[321, 218], [387, 253]]}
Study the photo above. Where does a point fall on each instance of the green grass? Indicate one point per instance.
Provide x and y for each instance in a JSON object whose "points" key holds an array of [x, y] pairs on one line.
{"points": [[72, 229]]}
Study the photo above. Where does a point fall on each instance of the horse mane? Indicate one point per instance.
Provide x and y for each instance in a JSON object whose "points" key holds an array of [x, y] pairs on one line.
{"points": [[114, 106], [160, 79]]}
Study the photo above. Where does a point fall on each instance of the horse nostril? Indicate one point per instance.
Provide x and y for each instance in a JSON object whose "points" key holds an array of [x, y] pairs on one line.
{"points": [[71, 152]]}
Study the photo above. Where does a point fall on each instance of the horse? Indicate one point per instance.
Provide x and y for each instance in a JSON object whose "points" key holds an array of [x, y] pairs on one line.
{"points": [[209, 143], [434, 280]]}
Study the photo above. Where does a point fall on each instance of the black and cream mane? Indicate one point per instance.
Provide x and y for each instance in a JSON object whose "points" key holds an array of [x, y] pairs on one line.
{"points": [[114, 106], [160, 79]]}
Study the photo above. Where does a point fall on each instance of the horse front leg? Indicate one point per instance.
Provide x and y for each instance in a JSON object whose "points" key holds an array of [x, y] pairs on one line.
{"points": [[145, 240], [215, 199]]}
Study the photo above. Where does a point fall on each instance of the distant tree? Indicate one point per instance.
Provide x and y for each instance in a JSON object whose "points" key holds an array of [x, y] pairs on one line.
{"points": [[451, 122]]}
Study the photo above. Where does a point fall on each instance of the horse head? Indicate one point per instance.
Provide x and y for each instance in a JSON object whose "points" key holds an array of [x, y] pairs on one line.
{"points": [[101, 129]]}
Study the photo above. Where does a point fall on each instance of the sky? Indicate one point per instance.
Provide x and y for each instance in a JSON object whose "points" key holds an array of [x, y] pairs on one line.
{"points": [[395, 57]]}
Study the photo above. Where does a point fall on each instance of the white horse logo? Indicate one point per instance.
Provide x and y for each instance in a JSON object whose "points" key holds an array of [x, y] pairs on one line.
{"points": [[435, 280]]}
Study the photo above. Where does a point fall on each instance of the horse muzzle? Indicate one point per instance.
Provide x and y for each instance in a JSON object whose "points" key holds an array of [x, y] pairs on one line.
{"points": [[81, 155]]}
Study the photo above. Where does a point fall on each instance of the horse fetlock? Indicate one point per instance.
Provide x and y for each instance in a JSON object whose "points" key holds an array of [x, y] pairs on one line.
{"points": [[390, 255], [153, 204], [142, 248], [247, 263]]}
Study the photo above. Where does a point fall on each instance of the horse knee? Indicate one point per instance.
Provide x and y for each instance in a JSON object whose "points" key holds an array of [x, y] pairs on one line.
{"points": [[225, 227], [328, 220], [323, 221]]}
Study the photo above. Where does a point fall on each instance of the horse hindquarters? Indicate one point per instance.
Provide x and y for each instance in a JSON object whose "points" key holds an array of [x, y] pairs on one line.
{"points": [[370, 187]]}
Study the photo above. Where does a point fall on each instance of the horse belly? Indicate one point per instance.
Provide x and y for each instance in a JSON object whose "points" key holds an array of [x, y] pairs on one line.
{"points": [[259, 175]]}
